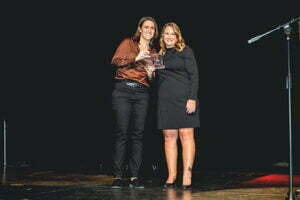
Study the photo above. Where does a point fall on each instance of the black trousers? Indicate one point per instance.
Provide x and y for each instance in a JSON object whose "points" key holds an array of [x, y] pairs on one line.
{"points": [[130, 104]]}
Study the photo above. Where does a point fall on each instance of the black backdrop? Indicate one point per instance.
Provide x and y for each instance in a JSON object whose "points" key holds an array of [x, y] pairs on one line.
{"points": [[57, 80]]}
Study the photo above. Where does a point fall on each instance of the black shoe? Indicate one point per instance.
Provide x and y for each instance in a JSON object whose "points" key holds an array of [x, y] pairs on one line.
{"points": [[135, 183], [117, 183], [169, 185], [186, 187]]}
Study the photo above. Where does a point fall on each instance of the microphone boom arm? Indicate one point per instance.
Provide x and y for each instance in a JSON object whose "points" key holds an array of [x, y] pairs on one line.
{"points": [[254, 39]]}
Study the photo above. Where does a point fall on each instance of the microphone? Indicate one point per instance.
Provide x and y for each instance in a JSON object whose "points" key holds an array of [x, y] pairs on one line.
{"points": [[254, 39]]}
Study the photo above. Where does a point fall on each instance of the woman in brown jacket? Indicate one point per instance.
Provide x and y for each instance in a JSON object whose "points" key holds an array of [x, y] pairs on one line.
{"points": [[130, 99]]}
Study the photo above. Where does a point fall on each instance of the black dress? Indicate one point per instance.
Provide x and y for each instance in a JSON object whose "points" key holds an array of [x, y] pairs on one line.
{"points": [[177, 83]]}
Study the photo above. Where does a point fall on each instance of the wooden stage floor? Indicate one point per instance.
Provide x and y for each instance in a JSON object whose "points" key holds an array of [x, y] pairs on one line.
{"points": [[85, 185]]}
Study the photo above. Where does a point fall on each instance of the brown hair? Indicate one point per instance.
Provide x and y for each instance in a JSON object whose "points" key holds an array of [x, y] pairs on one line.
{"points": [[137, 35]]}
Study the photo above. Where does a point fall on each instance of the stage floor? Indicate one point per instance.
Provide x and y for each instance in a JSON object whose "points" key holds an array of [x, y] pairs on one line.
{"points": [[209, 185]]}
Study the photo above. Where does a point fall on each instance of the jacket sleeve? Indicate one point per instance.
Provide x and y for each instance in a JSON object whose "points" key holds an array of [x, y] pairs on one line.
{"points": [[124, 54]]}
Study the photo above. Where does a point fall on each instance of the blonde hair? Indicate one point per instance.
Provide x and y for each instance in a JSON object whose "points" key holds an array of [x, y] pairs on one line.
{"points": [[180, 44]]}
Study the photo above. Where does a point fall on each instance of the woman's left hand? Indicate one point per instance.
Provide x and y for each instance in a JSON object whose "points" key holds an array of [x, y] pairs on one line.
{"points": [[190, 106], [150, 70]]}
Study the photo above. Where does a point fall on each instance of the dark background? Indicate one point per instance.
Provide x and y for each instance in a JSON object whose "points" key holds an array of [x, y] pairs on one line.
{"points": [[56, 81]]}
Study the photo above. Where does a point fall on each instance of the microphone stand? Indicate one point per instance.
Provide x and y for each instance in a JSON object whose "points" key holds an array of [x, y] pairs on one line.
{"points": [[287, 30], [3, 180]]}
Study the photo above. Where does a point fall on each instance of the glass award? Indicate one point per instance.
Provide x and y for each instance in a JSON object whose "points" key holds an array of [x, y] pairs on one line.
{"points": [[156, 60]]}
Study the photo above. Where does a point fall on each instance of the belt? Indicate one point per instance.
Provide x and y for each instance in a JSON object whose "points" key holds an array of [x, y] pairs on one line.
{"points": [[132, 84]]}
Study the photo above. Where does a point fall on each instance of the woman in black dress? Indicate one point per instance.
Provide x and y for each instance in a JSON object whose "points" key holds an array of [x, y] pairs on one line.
{"points": [[177, 103]]}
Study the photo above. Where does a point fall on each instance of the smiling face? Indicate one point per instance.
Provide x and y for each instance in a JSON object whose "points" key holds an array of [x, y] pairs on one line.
{"points": [[169, 37], [147, 30]]}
